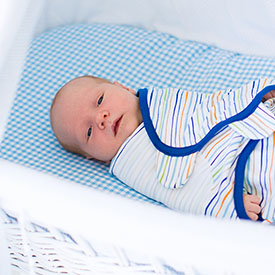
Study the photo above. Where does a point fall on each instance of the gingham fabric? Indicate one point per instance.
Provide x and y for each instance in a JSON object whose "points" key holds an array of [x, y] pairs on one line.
{"points": [[135, 57]]}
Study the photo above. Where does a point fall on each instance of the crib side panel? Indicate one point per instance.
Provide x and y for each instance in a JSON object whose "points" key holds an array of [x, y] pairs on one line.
{"points": [[45, 208], [17, 31]]}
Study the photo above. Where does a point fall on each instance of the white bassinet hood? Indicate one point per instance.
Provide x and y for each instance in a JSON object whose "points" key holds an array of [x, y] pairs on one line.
{"points": [[245, 26]]}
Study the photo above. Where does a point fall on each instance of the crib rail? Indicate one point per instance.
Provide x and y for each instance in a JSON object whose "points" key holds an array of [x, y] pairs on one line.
{"points": [[35, 249], [89, 230]]}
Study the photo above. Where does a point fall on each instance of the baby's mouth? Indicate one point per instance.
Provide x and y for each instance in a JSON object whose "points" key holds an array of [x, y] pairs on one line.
{"points": [[116, 125]]}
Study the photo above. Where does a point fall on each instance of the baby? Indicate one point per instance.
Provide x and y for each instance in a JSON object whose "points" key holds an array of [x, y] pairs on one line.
{"points": [[137, 134]]}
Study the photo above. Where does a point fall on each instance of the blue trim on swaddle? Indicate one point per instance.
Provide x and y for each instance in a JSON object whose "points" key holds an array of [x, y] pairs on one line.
{"points": [[184, 151], [239, 179]]}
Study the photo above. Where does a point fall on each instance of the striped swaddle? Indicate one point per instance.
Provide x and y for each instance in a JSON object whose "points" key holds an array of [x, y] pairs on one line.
{"points": [[199, 138]]}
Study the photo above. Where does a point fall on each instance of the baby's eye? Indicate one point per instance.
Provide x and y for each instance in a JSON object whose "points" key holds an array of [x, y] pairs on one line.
{"points": [[99, 100], [89, 132]]}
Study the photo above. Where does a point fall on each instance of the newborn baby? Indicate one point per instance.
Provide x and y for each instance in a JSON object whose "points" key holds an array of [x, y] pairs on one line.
{"points": [[107, 121]]}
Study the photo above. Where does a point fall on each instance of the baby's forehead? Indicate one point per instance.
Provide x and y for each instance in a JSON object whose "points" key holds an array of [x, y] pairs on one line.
{"points": [[84, 87], [80, 85], [77, 93], [70, 89]]}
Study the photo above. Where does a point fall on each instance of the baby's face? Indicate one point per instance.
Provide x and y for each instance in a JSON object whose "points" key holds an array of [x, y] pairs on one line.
{"points": [[97, 117]]}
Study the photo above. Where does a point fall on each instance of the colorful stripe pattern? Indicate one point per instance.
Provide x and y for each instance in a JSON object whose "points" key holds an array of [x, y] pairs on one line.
{"points": [[206, 177], [182, 118]]}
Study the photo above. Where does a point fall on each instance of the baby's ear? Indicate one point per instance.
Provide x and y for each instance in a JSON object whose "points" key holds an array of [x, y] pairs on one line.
{"points": [[124, 87]]}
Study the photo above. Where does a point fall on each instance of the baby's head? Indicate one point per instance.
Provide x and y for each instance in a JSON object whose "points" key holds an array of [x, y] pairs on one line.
{"points": [[93, 117]]}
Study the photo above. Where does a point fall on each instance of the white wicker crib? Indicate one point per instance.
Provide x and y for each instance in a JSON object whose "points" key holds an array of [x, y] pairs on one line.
{"points": [[49, 225]]}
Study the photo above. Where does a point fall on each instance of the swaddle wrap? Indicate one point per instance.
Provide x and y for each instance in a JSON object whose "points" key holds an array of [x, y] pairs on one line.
{"points": [[192, 131], [180, 123]]}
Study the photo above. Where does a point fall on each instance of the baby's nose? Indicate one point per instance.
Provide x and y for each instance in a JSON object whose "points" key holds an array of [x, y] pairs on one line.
{"points": [[102, 119]]}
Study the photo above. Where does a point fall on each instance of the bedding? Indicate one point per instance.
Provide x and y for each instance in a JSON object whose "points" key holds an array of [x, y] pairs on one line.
{"points": [[133, 56]]}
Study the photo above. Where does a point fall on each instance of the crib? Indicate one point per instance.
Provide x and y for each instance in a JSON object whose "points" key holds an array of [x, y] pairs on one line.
{"points": [[51, 224]]}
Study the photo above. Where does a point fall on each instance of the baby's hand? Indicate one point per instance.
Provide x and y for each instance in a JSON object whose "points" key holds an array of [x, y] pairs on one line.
{"points": [[269, 95], [252, 206]]}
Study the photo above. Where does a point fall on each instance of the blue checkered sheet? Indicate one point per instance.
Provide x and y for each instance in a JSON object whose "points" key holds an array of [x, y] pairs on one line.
{"points": [[135, 57]]}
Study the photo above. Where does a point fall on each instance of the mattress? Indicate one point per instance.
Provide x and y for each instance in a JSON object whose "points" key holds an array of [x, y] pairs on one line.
{"points": [[133, 56]]}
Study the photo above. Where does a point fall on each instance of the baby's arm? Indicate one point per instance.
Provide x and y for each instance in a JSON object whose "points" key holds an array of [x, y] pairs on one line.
{"points": [[252, 206]]}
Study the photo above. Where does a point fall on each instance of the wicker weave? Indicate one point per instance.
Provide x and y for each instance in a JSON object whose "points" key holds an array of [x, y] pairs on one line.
{"points": [[37, 249]]}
